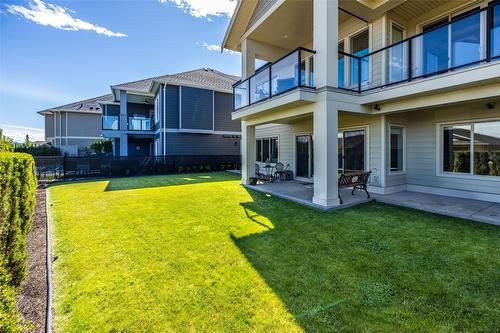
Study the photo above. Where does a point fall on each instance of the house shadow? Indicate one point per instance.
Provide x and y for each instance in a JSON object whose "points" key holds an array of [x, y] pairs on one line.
{"points": [[140, 182], [348, 269]]}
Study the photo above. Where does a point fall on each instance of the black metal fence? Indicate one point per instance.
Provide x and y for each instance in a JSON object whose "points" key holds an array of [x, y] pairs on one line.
{"points": [[49, 167]]}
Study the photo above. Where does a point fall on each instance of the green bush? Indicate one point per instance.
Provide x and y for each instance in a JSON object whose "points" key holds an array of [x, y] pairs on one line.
{"points": [[43, 150], [17, 203]]}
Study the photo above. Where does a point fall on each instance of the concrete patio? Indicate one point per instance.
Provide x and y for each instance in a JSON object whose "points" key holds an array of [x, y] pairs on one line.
{"points": [[302, 192]]}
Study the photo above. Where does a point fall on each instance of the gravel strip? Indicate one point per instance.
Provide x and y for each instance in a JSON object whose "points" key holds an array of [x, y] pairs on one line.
{"points": [[32, 298]]}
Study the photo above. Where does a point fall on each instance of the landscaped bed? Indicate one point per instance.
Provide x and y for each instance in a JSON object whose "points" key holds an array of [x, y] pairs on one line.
{"points": [[199, 252]]}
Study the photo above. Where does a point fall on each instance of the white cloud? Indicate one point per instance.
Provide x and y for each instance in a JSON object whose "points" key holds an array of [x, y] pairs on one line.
{"points": [[205, 8], [58, 17], [216, 47], [18, 133]]}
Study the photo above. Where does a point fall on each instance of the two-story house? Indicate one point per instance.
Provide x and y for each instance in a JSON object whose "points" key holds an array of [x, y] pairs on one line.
{"points": [[187, 113], [409, 90]]}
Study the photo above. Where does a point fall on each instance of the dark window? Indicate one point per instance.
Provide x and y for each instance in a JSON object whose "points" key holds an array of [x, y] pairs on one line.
{"points": [[397, 143], [487, 148], [259, 151], [456, 148]]}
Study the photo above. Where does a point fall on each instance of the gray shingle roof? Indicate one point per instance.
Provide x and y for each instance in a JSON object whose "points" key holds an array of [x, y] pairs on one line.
{"points": [[203, 78], [88, 105]]}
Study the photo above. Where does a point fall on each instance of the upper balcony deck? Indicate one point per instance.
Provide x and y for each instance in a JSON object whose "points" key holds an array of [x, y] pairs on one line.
{"points": [[464, 41]]}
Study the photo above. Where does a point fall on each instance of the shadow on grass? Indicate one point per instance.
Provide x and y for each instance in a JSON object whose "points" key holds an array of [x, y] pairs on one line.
{"points": [[375, 267], [129, 183]]}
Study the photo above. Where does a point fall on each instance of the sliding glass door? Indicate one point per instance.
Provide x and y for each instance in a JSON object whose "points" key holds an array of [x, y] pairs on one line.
{"points": [[304, 156], [351, 150]]}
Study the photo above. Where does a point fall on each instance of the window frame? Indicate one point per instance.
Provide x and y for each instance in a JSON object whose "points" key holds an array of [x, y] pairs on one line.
{"points": [[157, 107], [261, 140], [439, 151], [403, 171]]}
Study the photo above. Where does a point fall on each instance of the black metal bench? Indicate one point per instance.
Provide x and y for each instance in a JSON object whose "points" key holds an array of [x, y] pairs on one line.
{"points": [[356, 180]]}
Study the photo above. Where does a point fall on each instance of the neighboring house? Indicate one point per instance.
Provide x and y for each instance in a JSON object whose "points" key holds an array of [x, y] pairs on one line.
{"points": [[409, 90], [181, 114]]}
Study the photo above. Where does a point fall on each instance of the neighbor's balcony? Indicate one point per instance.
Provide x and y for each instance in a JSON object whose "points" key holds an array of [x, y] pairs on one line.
{"points": [[467, 41], [111, 123], [292, 71], [140, 124]]}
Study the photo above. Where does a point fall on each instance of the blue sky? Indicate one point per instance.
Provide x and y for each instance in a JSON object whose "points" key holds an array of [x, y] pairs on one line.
{"points": [[57, 52]]}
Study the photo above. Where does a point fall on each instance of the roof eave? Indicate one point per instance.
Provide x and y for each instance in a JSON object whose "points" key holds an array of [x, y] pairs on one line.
{"points": [[231, 23]]}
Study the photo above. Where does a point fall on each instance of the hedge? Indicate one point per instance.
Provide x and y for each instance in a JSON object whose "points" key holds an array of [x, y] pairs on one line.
{"points": [[17, 203]]}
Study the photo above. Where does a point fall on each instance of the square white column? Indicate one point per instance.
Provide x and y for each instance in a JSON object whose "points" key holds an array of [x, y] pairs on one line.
{"points": [[326, 162], [247, 152]]}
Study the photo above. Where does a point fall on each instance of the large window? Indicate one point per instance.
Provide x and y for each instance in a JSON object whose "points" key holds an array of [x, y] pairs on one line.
{"points": [[360, 46], [267, 150], [480, 140], [397, 142]]}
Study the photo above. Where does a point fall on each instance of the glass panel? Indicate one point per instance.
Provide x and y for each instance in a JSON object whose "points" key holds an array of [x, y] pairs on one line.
{"points": [[487, 148], [259, 86], [258, 158], [110, 122], [241, 95], [341, 66], [306, 69], [456, 148], [434, 48], [397, 149], [265, 150], [354, 151], [466, 40], [274, 150], [139, 124], [495, 32], [302, 149], [284, 74], [359, 47]]}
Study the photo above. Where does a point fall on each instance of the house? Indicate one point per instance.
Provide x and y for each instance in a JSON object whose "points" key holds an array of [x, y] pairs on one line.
{"points": [[409, 90], [187, 113]]}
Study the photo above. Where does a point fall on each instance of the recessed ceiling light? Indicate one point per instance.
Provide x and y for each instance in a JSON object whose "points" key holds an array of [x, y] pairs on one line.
{"points": [[285, 36]]}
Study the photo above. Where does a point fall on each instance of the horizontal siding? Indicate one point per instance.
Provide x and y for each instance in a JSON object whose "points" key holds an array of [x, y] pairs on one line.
{"points": [[196, 108], [260, 9], [172, 101], [421, 148], [202, 144], [222, 113]]}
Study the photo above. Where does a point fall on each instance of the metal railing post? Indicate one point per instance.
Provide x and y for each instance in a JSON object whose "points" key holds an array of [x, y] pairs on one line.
{"points": [[410, 62], [489, 27], [359, 75]]}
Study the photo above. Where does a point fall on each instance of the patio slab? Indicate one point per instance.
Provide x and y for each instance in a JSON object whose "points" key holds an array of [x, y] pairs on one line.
{"points": [[302, 192], [481, 211]]}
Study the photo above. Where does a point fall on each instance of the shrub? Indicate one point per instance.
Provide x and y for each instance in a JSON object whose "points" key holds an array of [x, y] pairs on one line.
{"points": [[17, 202], [5, 143], [102, 146], [43, 150]]}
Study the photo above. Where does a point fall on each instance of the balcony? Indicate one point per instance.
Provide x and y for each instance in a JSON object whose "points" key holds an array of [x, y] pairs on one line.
{"points": [[140, 123], [463, 42], [295, 70], [110, 122]]}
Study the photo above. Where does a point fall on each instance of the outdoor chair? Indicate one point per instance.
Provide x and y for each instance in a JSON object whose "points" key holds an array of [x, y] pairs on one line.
{"points": [[259, 174], [279, 172]]}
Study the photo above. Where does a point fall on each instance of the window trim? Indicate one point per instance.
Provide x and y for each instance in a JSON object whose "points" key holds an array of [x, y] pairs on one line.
{"points": [[157, 107], [403, 171], [366, 128], [439, 150]]}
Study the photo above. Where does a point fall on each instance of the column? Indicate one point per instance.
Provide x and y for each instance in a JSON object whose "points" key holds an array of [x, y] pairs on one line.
{"points": [[247, 152], [123, 124], [247, 58], [326, 162]]}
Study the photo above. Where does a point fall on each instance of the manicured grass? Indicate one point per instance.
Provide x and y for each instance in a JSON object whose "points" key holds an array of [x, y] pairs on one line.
{"points": [[201, 253]]}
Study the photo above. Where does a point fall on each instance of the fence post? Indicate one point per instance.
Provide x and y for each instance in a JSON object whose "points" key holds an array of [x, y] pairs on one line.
{"points": [[64, 166]]}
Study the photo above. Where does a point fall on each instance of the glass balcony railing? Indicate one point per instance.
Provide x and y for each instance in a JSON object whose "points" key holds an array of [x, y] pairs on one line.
{"points": [[460, 43], [292, 71], [140, 124], [110, 122]]}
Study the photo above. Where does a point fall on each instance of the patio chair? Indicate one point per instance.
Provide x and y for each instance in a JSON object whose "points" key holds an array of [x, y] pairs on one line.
{"points": [[259, 174], [279, 172]]}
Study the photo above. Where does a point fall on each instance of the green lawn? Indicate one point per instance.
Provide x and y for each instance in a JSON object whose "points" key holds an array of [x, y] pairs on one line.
{"points": [[201, 253]]}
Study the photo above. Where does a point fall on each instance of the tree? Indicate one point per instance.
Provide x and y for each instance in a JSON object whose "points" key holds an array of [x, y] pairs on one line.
{"points": [[6, 144], [102, 146]]}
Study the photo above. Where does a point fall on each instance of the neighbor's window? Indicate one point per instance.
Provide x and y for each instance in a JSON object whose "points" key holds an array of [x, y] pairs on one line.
{"points": [[456, 148], [157, 108], [397, 146], [267, 150], [487, 148]]}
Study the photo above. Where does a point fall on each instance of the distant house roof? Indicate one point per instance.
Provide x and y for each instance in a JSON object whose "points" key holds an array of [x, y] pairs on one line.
{"points": [[90, 105], [205, 78]]}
